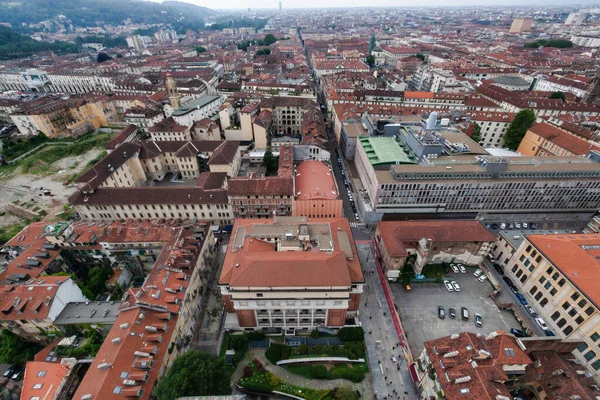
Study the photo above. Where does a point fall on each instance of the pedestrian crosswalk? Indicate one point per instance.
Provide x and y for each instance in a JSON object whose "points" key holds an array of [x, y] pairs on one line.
{"points": [[354, 224]]}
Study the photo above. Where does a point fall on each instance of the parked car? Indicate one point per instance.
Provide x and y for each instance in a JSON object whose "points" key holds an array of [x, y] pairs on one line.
{"points": [[455, 286], [477, 273], [494, 226], [448, 286], [9, 371], [508, 281], [541, 323], [394, 358], [514, 289], [462, 269], [521, 298], [17, 373], [454, 268], [441, 312], [549, 333], [518, 225], [525, 225], [491, 258], [503, 226], [357, 217], [499, 269], [452, 313], [482, 278], [532, 225], [464, 313], [531, 311], [518, 332], [478, 320]]}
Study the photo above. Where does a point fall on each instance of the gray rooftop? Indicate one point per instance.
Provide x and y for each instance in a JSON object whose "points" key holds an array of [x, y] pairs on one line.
{"points": [[516, 236], [195, 104], [91, 312]]}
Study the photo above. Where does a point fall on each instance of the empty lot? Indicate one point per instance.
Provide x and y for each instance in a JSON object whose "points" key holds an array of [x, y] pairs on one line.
{"points": [[418, 309]]}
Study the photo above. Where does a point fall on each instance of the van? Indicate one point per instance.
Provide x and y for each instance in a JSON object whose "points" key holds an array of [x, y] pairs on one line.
{"points": [[464, 313]]}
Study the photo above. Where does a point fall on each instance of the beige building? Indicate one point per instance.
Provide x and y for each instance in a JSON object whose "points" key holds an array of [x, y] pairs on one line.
{"points": [[521, 25], [291, 273], [558, 274]]}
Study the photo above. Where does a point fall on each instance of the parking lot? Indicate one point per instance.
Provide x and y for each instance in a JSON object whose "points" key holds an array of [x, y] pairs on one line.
{"points": [[418, 309]]}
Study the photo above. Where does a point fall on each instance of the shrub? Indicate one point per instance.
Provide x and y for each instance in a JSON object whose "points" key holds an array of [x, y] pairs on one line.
{"points": [[350, 334], [355, 349], [273, 353], [256, 335], [273, 380], [318, 349], [247, 372], [320, 372], [257, 387], [335, 350], [259, 366], [315, 334], [342, 393], [286, 352], [303, 349]]}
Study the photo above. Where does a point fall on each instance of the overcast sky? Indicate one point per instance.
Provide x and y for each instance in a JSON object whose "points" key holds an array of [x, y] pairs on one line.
{"points": [[244, 4]]}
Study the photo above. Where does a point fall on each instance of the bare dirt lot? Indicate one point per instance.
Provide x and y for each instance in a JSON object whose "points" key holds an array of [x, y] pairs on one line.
{"points": [[28, 187]]}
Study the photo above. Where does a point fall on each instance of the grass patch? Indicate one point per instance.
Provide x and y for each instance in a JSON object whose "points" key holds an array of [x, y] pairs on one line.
{"points": [[434, 271], [10, 231], [351, 372], [266, 382]]}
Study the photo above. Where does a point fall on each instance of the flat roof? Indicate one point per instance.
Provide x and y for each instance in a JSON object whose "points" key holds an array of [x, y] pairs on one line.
{"points": [[89, 312], [516, 236], [385, 151], [314, 180], [195, 104]]}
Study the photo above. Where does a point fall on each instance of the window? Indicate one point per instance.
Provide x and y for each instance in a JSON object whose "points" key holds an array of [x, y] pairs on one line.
{"points": [[117, 390], [544, 302], [259, 295], [561, 283], [590, 355], [555, 316], [542, 279], [553, 291], [595, 336], [555, 276], [533, 290], [596, 365], [582, 303], [561, 323], [566, 305], [575, 296], [549, 270], [38, 386], [582, 347], [579, 320], [568, 330], [41, 373], [589, 310]]}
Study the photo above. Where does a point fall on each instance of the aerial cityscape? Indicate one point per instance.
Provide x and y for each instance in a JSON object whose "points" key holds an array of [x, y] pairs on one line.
{"points": [[299, 200]]}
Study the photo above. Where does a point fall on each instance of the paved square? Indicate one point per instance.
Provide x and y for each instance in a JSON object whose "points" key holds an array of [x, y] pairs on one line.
{"points": [[418, 309]]}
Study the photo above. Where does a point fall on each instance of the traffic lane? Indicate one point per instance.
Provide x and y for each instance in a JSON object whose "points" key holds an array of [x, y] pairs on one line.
{"points": [[506, 295], [343, 189]]}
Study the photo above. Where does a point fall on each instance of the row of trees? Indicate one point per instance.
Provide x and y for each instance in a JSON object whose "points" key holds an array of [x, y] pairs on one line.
{"points": [[268, 40], [517, 128], [15, 45], [558, 43]]}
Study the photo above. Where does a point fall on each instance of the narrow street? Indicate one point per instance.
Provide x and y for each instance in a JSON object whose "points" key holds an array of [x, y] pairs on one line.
{"points": [[381, 339]]}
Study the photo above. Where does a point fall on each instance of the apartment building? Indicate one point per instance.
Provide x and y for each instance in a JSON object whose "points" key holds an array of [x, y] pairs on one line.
{"points": [[150, 179], [155, 324], [262, 197], [30, 309], [521, 25], [169, 129], [586, 41], [291, 273], [463, 181], [558, 273], [554, 83], [432, 242], [316, 192], [195, 110], [41, 81], [493, 126], [143, 118], [547, 139], [327, 67]]}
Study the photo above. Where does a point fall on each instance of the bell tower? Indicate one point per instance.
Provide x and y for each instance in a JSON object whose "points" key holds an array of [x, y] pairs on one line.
{"points": [[174, 97]]}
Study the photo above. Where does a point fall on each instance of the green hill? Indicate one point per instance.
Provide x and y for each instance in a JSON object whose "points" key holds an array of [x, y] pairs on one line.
{"points": [[15, 45], [91, 13]]}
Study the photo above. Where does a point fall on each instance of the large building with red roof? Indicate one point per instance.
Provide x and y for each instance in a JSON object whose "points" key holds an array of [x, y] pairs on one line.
{"points": [[291, 273], [317, 194]]}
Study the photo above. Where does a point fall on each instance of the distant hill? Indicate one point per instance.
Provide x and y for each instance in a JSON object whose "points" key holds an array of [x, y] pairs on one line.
{"points": [[15, 45], [91, 13]]}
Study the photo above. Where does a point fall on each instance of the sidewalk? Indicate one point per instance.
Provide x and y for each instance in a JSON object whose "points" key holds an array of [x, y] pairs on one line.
{"points": [[381, 338]]}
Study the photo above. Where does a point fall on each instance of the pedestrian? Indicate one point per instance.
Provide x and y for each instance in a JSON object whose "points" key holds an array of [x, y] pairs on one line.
{"points": [[393, 347], [370, 317]]}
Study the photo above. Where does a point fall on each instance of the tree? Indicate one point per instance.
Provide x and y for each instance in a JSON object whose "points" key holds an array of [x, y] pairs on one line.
{"points": [[270, 161], [476, 134], [263, 52], [516, 130], [200, 49], [269, 39], [351, 334], [103, 57], [119, 55], [420, 56], [194, 374], [13, 350], [371, 60], [372, 43], [558, 95]]}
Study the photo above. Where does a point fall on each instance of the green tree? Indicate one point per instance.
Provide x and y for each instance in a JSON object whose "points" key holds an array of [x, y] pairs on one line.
{"points": [[200, 49], [13, 350], [342, 393], [517, 128], [194, 374], [420, 56], [103, 57], [558, 95], [269, 39], [270, 161], [371, 60], [119, 55], [372, 42], [476, 134], [263, 52]]}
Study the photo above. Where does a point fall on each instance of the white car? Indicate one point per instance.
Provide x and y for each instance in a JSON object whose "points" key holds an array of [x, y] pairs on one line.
{"points": [[455, 286], [448, 286], [463, 270], [530, 311], [503, 226], [454, 268], [518, 225], [477, 273], [525, 226], [541, 323], [482, 278]]}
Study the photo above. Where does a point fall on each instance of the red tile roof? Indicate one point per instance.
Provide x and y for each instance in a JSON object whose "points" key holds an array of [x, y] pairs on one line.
{"points": [[314, 180], [44, 380], [563, 139]]}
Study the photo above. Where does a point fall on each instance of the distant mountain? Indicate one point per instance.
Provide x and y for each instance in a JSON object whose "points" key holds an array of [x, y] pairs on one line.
{"points": [[91, 13]]}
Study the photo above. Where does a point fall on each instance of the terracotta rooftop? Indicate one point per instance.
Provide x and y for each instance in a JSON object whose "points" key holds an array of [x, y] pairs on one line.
{"points": [[43, 380], [225, 153], [314, 180], [563, 139], [576, 256], [395, 234]]}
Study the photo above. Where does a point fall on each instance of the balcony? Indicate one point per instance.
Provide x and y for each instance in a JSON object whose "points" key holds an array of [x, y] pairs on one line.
{"points": [[262, 314], [277, 314]]}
